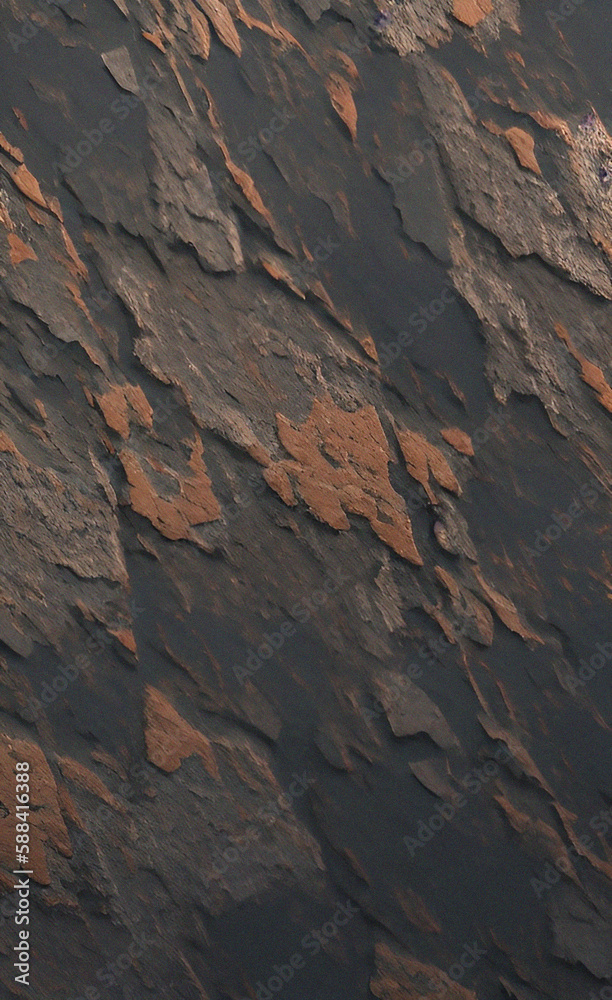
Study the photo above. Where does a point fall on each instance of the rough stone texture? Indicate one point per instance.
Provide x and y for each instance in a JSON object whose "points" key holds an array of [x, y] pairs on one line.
{"points": [[305, 389]]}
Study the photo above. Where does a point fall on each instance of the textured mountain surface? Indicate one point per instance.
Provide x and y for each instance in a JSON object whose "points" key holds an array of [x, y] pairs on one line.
{"points": [[305, 477]]}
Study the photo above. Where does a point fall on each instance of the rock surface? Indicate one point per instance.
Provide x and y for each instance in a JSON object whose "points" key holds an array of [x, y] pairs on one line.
{"points": [[305, 395]]}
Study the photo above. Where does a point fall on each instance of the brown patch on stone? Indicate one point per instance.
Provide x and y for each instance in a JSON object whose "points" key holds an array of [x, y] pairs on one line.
{"points": [[12, 151], [201, 32], [20, 251], [114, 406], [126, 637], [542, 837], [590, 373], [80, 775], [357, 482], [278, 480], [441, 620], [505, 610], [280, 274], [7, 445], [548, 121], [222, 22], [155, 40], [513, 56], [36, 215], [103, 757], [341, 97], [416, 911], [471, 12], [458, 439], [523, 145], [274, 30], [496, 732], [5, 218], [169, 739], [483, 619], [423, 458], [400, 977], [28, 185], [68, 806], [196, 503], [77, 267], [447, 581], [45, 819], [410, 711], [21, 118]]}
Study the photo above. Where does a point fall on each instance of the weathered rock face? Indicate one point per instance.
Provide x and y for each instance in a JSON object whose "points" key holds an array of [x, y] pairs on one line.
{"points": [[305, 389]]}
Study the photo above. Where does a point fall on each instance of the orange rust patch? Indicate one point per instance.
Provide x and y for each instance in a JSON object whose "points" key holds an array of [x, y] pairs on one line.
{"points": [[154, 39], [222, 22], [241, 178], [201, 32], [7, 445], [447, 581], [542, 837], [590, 373], [513, 56], [357, 482], [547, 121], [21, 118], [523, 145], [273, 30], [505, 609], [11, 151], [114, 406], [169, 739], [5, 218], [278, 480], [78, 268], [80, 775], [20, 251], [28, 185], [279, 274], [471, 12], [423, 458], [342, 102], [46, 824], [126, 637], [400, 977], [196, 503], [416, 911], [458, 439]]}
